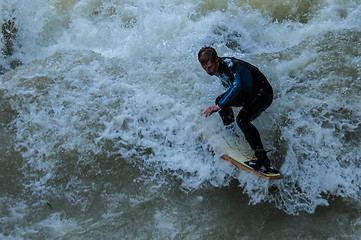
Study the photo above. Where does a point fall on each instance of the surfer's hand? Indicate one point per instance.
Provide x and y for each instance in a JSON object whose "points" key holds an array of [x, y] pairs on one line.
{"points": [[210, 110]]}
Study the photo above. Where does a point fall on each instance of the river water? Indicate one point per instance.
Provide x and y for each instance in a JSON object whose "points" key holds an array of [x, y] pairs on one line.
{"points": [[100, 123]]}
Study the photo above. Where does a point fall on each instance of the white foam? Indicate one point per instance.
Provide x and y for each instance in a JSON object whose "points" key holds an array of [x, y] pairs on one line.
{"points": [[123, 80]]}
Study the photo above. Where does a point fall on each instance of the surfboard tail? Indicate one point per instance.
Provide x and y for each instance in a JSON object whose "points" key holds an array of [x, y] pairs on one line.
{"points": [[244, 166]]}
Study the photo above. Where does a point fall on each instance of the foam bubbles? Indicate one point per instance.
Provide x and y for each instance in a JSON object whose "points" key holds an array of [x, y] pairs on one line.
{"points": [[121, 81]]}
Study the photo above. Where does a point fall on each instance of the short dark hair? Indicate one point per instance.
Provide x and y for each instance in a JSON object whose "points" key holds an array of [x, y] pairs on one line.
{"points": [[207, 53]]}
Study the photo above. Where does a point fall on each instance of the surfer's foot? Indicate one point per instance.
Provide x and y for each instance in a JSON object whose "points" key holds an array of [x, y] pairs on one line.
{"points": [[262, 164], [262, 158], [256, 165], [260, 167], [268, 170]]}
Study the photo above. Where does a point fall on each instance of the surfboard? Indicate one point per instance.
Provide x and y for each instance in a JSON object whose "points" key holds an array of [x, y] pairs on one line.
{"points": [[239, 155]]}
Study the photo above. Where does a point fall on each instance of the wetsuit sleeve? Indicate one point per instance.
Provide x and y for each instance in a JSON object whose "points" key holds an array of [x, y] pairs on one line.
{"points": [[242, 81]]}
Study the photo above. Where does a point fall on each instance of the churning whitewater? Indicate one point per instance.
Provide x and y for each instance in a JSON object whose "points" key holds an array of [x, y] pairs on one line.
{"points": [[101, 116]]}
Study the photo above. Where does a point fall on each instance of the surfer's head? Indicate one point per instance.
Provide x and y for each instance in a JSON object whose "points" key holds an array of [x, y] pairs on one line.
{"points": [[209, 60]]}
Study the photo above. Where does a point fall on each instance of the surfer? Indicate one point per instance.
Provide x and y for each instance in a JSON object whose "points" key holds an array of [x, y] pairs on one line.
{"points": [[247, 88]]}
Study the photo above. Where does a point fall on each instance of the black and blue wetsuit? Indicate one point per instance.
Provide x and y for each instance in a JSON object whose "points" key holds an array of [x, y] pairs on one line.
{"points": [[247, 88]]}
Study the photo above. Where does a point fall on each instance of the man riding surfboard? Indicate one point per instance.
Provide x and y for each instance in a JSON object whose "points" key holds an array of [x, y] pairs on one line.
{"points": [[247, 87]]}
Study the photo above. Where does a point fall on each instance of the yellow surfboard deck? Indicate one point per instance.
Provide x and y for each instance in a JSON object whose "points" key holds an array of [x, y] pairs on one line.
{"points": [[238, 154]]}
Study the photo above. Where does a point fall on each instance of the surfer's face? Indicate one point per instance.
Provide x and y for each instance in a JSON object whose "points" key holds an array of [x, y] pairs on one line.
{"points": [[211, 67]]}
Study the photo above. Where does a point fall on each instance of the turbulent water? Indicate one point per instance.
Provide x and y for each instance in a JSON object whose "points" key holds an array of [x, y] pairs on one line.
{"points": [[101, 114]]}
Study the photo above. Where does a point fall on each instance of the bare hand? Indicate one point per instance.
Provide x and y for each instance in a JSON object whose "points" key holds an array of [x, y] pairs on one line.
{"points": [[210, 110]]}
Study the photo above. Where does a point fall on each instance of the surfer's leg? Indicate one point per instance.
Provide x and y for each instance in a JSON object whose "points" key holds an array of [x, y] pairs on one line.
{"points": [[250, 132], [226, 113], [251, 110]]}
